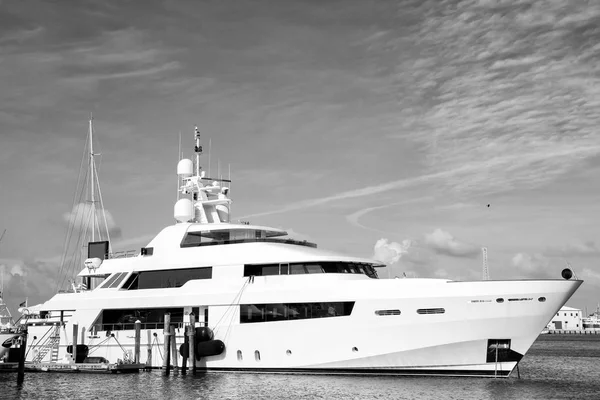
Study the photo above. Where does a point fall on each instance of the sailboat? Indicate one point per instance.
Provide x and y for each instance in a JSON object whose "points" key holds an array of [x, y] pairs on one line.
{"points": [[8, 330], [88, 222]]}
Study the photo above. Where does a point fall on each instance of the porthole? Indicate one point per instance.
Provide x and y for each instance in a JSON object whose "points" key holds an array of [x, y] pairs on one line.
{"points": [[239, 355], [355, 349], [288, 352], [499, 300], [257, 355], [542, 299]]}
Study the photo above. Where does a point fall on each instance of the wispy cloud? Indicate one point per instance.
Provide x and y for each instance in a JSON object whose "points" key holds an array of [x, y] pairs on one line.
{"points": [[355, 216], [586, 249], [443, 242]]}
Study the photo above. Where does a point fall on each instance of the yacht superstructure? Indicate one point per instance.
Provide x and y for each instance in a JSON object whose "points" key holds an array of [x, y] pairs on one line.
{"points": [[274, 304]]}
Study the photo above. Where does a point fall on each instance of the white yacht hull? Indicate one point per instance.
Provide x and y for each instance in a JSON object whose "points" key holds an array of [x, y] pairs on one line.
{"points": [[454, 343]]}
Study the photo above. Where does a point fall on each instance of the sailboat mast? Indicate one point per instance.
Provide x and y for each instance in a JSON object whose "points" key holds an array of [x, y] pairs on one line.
{"points": [[92, 199]]}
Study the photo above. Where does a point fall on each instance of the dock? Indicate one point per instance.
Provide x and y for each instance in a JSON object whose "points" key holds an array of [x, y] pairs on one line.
{"points": [[96, 368]]}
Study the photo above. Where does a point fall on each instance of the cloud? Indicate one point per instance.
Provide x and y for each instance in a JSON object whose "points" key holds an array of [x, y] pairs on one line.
{"points": [[586, 249], [32, 279], [80, 219], [443, 242], [532, 265], [472, 96], [390, 252], [354, 217]]}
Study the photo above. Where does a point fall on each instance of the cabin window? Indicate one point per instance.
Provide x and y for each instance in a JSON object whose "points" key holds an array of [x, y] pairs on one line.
{"points": [[117, 281], [431, 311], [387, 312], [114, 277], [239, 355], [309, 268], [284, 269], [250, 313], [124, 319], [296, 269], [169, 278], [257, 355]]}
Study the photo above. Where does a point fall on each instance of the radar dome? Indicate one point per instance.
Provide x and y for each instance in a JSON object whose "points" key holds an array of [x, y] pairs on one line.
{"points": [[92, 263], [183, 210], [185, 168]]}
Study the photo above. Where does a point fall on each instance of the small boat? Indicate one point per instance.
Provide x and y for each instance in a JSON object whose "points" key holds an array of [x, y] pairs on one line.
{"points": [[9, 333]]}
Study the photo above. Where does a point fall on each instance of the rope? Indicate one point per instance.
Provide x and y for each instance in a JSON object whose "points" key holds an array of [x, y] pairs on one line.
{"points": [[124, 351], [94, 348], [158, 346], [71, 225], [43, 343], [236, 301]]}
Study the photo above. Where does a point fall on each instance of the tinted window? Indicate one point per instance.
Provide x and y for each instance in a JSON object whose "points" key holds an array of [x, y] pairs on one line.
{"points": [[293, 311], [151, 318], [310, 268], [166, 278]]}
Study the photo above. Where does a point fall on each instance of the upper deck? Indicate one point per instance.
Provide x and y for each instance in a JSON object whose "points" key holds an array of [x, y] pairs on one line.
{"points": [[186, 245]]}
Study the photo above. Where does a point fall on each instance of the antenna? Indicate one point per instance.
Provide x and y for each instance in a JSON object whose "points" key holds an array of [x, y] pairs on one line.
{"points": [[486, 272], [209, 148], [197, 149], [178, 159], [2, 284]]}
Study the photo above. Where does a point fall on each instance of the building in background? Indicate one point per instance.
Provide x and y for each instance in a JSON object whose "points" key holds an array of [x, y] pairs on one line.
{"points": [[566, 319]]}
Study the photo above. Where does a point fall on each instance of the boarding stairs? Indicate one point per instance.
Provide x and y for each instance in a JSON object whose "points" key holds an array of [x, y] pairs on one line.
{"points": [[51, 344]]}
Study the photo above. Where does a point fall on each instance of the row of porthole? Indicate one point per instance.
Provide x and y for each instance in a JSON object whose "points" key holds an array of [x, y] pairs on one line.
{"points": [[501, 300], [240, 357]]}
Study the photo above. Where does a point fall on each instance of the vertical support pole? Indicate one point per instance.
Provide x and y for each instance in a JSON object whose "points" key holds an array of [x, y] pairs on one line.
{"points": [[518, 372], [83, 335], [75, 334], [21, 370], [186, 350], [167, 350], [149, 359], [138, 334], [496, 365], [193, 342], [174, 347]]}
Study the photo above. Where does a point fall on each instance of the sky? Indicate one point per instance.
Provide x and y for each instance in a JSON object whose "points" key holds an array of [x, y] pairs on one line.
{"points": [[414, 132]]}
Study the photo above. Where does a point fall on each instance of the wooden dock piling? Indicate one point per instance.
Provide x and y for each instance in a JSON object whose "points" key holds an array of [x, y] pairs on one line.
{"points": [[149, 359], [185, 350], [167, 348], [138, 333], [22, 353], [75, 335], [192, 346], [173, 340]]}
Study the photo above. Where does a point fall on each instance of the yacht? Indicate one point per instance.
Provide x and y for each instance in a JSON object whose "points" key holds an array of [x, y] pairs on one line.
{"points": [[262, 301]]}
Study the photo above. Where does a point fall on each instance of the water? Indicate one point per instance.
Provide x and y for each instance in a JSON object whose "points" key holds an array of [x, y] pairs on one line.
{"points": [[555, 368]]}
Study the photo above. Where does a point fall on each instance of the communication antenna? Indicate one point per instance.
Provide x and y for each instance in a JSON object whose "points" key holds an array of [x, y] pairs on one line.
{"points": [[198, 150], [2, 283], [486, 272], [179, 157]]}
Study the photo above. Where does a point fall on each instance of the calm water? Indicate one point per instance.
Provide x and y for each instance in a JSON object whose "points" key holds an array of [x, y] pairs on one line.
{"points": [[555, 368]]}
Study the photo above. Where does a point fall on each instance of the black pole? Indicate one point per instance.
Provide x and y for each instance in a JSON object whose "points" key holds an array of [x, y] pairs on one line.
{"points": [[186, 350], [21, 371]]}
